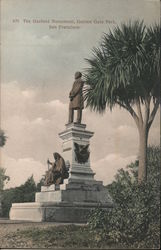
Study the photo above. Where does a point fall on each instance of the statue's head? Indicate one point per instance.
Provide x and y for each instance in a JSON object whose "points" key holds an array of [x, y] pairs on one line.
{"points": [[56, 156], [78, 75]]}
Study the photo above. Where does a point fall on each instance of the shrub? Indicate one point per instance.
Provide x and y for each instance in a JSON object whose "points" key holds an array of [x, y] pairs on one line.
{"points": [[23, 193], [134, 221], [3, 178]]}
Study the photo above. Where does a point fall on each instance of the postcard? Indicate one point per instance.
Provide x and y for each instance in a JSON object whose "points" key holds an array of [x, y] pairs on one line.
{"points": [[79, 135]]}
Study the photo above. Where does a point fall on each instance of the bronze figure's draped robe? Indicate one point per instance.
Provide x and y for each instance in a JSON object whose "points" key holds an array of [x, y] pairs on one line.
{"points": [[58, 172]]}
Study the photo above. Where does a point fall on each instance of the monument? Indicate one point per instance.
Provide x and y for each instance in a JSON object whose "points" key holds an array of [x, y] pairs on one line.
{"points": [[70, 194]]}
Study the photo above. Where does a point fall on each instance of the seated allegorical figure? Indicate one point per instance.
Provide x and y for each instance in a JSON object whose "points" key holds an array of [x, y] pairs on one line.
{"points": [[58, 171]]}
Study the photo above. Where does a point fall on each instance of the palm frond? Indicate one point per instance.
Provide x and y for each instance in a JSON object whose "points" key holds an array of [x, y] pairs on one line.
{"points": [[125, 66]]}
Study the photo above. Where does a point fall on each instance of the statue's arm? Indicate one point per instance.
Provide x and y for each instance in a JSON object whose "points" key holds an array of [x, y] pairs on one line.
{"points": [[76, 89], [49, 162]]}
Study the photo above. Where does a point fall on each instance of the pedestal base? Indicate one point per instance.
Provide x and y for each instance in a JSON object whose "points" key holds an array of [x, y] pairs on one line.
{"points": [[75, 212], [70, 205]]}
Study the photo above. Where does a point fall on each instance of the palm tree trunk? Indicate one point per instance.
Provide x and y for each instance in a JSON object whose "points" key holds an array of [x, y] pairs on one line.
{"points": [[143, 126], [143, 141]]}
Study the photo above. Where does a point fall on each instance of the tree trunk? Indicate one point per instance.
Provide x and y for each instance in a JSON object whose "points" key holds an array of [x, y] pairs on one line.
{"points": [[143, 141], [143, 124]]}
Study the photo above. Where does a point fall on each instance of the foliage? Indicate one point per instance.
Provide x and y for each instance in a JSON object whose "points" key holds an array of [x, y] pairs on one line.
{"points": [[23, 193], [124, 67], [134, 220], [2, 138], [3, 178], [39, 184]]}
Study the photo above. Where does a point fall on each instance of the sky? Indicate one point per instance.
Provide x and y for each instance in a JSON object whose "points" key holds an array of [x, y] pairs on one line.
{"points": [[38, 60]]}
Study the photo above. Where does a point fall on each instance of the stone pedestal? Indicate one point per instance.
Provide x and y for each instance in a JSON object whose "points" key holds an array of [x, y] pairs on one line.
{"points": [[76, 133], [73, 200]]}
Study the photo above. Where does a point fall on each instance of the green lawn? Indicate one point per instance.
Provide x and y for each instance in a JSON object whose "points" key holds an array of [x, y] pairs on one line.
{"points": [[63, 236]]}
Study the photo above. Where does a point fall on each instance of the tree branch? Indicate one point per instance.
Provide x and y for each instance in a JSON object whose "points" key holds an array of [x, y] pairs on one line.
{"points": [[131, 111], [153, 113]]}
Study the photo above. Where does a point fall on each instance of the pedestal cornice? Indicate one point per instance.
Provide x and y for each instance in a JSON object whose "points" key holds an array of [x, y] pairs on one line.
{"points": [[75, 130]]}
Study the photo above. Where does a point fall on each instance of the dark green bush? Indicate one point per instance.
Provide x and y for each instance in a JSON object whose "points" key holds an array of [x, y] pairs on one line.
{"points": [[135, 219], [3, 178], [23, 193]]}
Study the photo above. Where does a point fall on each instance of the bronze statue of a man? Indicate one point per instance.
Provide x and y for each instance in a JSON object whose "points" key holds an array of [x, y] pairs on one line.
{"points": [[76, 98]]}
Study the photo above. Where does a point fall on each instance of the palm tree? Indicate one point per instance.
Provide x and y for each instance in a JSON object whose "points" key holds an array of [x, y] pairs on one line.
{"points": [[124, 71]]}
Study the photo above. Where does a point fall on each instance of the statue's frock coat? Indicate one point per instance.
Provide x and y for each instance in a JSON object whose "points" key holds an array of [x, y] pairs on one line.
{"points": [[76, 94]]}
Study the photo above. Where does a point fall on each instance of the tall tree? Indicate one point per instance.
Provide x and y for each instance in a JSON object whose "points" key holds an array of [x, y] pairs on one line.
{"points": [[124, 71], [2, 138], [3, 178]]}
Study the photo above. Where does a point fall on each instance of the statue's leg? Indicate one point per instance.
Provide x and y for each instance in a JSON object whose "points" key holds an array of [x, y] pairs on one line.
{"points": [[71, 115], [79, 115]]}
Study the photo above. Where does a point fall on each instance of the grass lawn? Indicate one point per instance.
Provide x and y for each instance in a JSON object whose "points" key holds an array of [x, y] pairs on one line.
{"points": [[63, 236]]}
